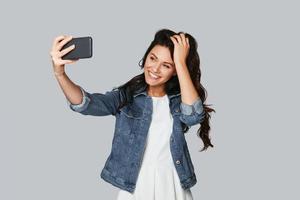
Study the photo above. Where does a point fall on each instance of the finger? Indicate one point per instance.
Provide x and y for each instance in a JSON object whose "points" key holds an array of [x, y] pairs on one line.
{"points": [[187, 41], [173, 40], [70, 61], [178, 39], [62, 43], [63, 62], [66, 50], [182, 36], [56, 40]]}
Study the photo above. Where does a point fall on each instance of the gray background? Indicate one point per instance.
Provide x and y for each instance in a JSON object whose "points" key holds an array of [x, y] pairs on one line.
{"points": [[249, 54]]}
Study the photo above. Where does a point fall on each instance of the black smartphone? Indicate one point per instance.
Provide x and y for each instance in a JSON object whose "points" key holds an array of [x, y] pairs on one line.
{"points": [[83, 48]]}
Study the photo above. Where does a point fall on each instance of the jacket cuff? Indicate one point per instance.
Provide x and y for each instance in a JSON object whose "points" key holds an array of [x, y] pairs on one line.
{"points": [[82, 105], [189, 109]]}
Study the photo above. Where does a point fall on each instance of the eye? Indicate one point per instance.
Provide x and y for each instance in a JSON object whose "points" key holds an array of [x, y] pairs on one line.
{"points": [[167, 66], [151, 58]]}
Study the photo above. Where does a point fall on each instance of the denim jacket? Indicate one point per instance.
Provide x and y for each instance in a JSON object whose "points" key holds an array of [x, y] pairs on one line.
{"points": [[132, 123]]}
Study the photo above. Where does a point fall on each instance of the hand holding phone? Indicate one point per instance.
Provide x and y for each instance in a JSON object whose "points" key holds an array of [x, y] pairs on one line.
{"points": [[83, 48]]}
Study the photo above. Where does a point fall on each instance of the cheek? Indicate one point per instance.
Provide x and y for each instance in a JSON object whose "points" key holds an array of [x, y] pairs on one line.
{"points": [[167, 73], [146, 69], [146, 66]]}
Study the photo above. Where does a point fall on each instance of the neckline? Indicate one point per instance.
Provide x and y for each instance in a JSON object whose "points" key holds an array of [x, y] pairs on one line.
{"points": [[161, 97]]}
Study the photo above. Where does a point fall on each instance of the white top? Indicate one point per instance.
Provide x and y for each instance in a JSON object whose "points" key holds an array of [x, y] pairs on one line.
{"points": [[158, 178]]}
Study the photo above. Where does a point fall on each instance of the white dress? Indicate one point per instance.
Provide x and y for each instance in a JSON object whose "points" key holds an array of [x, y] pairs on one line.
{"points": [[158, 178]]}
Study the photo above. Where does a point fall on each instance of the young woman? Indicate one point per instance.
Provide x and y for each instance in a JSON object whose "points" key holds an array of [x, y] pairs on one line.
{"points": [[149, 158]]}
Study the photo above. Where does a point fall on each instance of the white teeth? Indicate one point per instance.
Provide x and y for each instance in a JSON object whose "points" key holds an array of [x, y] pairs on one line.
{"points": [[153, 76]]}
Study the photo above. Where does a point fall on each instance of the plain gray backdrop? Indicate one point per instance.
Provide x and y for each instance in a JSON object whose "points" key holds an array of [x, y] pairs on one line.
{"points": [[249, 53]]}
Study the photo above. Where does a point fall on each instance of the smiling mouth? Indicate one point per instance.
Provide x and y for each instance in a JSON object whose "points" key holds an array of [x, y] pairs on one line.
{"points": [[153, 76]]}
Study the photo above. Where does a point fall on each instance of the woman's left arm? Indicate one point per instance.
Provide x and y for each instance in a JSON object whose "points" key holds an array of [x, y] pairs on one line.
{"points": [[181, 49], [187, 89], [191, 104]]}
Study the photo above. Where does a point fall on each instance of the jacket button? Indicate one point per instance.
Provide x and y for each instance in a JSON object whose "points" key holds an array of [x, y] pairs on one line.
{"points": [[172, 139], [177, 162], [176, 110]]}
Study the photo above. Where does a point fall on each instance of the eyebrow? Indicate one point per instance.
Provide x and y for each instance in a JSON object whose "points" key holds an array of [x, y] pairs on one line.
{"points": [[164, 62]]}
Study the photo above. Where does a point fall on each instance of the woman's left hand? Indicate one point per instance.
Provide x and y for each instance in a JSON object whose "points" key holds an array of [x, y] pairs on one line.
{"points": [[181, 48]]}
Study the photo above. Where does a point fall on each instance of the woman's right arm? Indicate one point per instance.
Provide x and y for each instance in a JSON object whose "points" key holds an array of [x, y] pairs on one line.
{"points": [[79, 100], [71, 90]]}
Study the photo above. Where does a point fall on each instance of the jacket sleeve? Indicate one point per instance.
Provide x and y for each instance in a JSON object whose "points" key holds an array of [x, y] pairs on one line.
{"points": [[97, 104], [192, 114]]}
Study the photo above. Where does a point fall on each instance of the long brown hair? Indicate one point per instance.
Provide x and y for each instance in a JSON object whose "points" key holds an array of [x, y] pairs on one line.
{"points": [[162, 37]]}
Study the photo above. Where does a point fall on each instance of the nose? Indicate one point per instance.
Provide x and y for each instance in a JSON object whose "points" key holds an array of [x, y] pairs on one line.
{"points": [[156, 68]]}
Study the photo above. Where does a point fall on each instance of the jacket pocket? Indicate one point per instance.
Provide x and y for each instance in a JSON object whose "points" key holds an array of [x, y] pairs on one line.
{"points": [[129, 120]]}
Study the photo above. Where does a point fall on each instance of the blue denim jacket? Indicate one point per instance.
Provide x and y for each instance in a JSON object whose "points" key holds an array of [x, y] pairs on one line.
{"points": [[122, 166]]}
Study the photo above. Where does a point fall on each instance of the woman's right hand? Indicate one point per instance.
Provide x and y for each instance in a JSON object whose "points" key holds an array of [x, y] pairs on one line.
{"points": [[56, 53]]}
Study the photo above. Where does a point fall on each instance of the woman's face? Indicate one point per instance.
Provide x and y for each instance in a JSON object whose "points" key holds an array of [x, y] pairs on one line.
{"points": [[159, 66]]}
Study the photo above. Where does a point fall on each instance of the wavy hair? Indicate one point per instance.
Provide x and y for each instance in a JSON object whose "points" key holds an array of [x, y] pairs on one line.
{"points": [[162, 37]]}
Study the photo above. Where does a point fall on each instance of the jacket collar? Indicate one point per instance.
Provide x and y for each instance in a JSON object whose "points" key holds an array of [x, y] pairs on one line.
{"points": [[143, 91]]}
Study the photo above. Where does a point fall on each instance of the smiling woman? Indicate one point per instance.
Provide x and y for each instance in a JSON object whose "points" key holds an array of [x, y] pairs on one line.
{"points": [[149, 158]]}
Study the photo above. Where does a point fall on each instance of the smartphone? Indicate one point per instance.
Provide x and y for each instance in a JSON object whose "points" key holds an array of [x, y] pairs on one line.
{"points": [[83, 48]]}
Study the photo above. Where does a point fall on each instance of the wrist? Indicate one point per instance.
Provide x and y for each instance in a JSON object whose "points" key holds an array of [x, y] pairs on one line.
{"points": [[57, 74]]}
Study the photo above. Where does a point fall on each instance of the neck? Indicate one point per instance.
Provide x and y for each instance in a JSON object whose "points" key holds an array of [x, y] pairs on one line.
{"points": [[156, 91]]}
